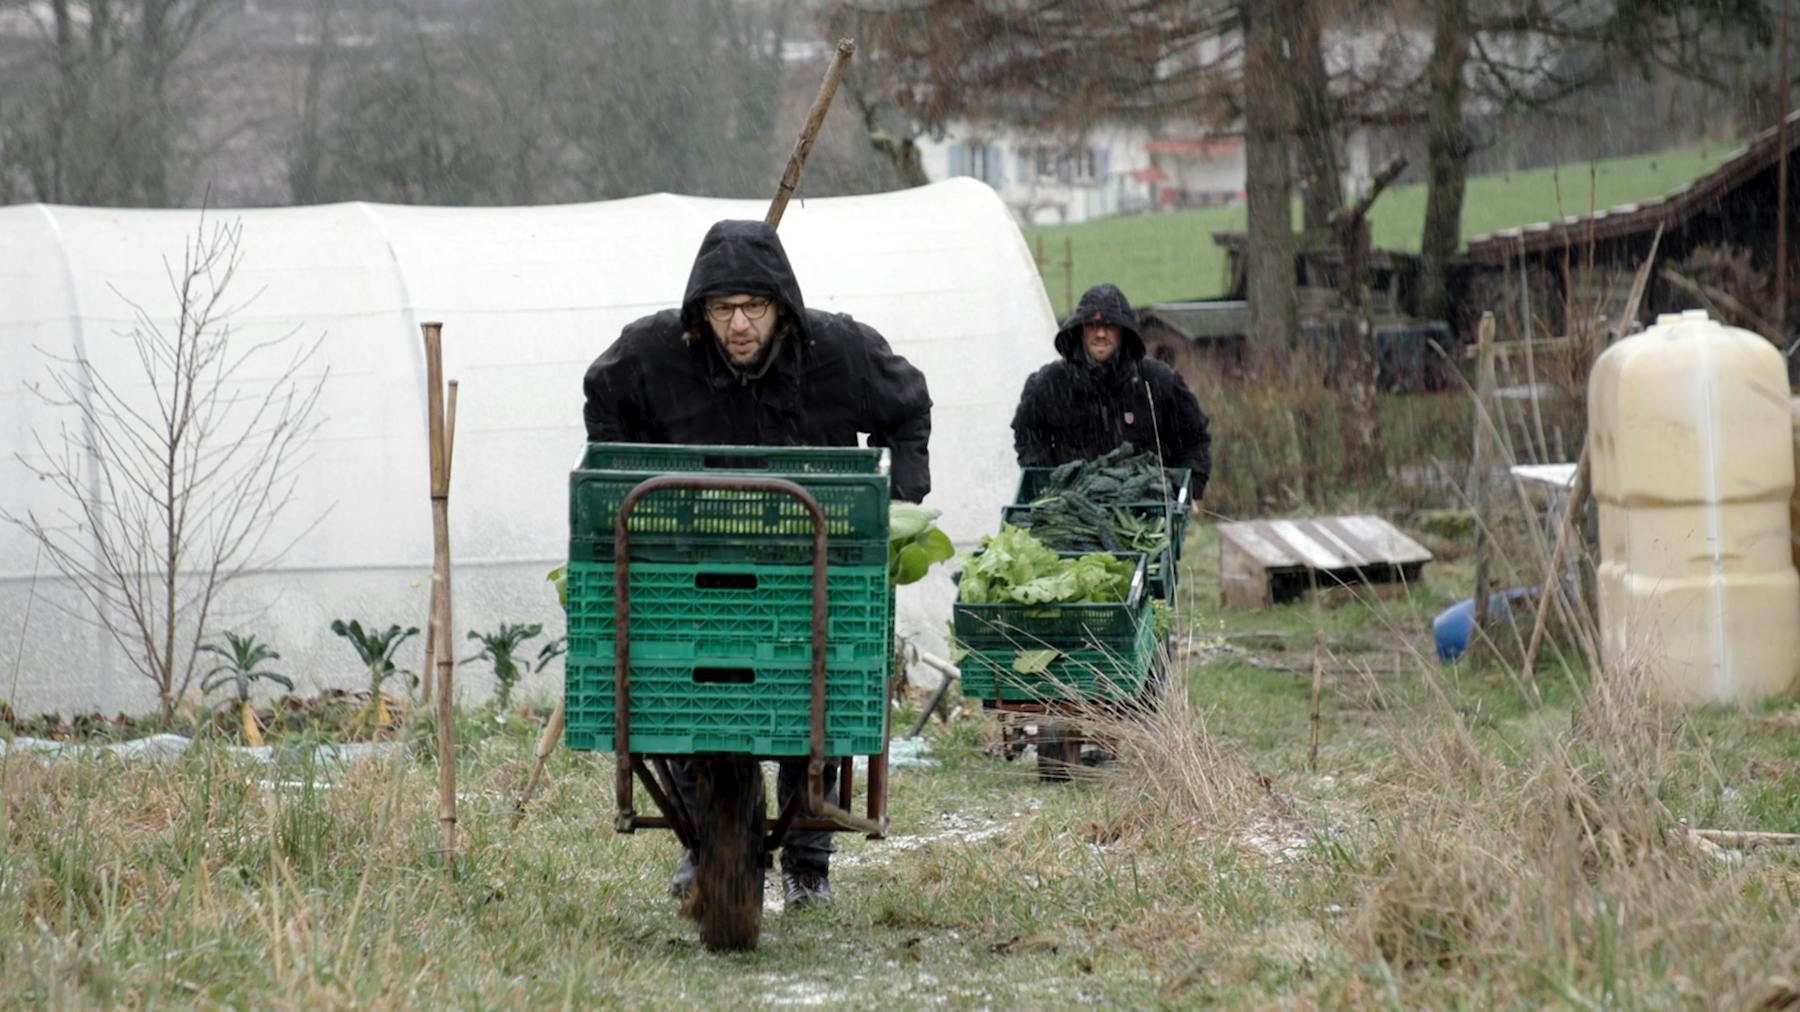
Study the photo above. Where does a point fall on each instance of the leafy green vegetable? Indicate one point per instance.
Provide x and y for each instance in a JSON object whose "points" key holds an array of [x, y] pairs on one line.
{"points": [[560, 577], [1012, 567], [914, 542], [1034, 662]]}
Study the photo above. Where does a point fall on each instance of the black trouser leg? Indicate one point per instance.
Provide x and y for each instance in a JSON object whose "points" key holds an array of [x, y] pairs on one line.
{"points": [[684, 790], [805, 850]]}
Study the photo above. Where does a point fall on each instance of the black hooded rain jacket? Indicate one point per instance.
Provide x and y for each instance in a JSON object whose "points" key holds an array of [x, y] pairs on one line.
{"points": [[1073, 409], [829, 378]]}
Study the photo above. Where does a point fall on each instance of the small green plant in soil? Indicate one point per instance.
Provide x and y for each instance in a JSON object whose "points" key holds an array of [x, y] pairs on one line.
{"points": [[376, 649], [498, 648], [241, 668]]}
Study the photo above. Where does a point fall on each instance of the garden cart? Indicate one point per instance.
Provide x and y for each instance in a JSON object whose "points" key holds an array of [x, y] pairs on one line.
{"points": [[730, 605], [1049, 666]]}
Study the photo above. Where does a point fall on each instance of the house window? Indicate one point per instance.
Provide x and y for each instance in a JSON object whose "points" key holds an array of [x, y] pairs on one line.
{"points": [[980, 160], [1067, 164], [1081, 164]]}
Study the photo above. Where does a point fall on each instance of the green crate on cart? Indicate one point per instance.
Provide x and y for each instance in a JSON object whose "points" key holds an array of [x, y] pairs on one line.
{"points": [[693, 525], [762, 709], [1160, 572], [1094, 674], [1113, 625], [1033, 480], [731, 612]]}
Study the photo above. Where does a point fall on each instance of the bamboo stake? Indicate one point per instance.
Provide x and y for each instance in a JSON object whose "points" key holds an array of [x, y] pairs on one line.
{"points": [[428, 676], [440, 530], [840, 62]]}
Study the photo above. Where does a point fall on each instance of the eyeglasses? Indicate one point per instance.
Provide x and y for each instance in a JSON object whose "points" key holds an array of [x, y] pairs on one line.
{"points": [[754, 309]]}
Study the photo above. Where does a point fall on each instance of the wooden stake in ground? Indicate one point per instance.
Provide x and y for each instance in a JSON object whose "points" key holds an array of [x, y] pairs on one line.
{"points": [[1318, 673], [439, 441], [428, 673], [790, 180], [1478, 476]]}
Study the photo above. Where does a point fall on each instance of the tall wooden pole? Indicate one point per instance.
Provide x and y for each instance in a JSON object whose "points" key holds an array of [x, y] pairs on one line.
{"points": [[1478, 478], [428, 674], [439, 441], [790, 180]]}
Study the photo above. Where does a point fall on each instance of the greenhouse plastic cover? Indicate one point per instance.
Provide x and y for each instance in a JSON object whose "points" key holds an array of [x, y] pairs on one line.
{"points": [[528, 297]]}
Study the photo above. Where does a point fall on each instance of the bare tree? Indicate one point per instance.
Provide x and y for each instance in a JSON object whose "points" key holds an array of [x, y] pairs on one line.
{"points": [[102, 119], [1499, 56], [178, 462]]}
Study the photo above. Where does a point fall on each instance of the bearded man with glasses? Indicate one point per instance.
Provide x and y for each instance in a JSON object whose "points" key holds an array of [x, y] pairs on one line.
{"points": [[742, 361]]}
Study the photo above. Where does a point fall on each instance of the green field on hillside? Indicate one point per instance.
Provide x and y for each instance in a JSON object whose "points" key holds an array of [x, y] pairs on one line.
{"points": [[1163, 257]]}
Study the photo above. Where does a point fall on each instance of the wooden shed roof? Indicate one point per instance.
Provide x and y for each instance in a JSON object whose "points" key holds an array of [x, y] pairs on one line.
{"points": [[1671, 209]]}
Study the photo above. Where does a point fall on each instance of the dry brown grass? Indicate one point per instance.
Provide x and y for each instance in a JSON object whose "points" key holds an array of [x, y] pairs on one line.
{"points": [[1563, 872], [1170, 774]]}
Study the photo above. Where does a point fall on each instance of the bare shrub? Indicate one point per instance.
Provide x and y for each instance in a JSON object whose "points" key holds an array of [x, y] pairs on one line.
{"points": [[1279, 444], [179, 459]]}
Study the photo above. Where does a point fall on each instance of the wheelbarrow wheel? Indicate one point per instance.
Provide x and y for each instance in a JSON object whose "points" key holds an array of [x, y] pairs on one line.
{"points": [[1058, 751], [727, 900]]}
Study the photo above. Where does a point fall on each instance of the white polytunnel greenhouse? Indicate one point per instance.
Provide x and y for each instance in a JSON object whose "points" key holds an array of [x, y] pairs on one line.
{"points": [[527, 297]]}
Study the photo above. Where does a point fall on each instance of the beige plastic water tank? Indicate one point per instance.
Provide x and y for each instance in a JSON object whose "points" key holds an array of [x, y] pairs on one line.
{"points": [[1693, 470]]}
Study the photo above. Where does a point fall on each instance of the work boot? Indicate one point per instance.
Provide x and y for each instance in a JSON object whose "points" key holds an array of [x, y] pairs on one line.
{"points": [[682, 881], [802, 889]]}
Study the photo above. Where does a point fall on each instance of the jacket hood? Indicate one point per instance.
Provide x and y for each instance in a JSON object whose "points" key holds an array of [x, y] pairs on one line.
{"points": [[1100, 304], [740, 256]]}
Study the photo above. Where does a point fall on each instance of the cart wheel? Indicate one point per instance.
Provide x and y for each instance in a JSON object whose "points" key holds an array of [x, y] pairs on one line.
{"points": [[1058, 751], [727, 901]]}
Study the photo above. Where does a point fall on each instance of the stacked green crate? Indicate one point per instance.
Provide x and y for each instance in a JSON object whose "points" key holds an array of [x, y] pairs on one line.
{"points": [[721, 602], [1102, 650], [1074, 675]]}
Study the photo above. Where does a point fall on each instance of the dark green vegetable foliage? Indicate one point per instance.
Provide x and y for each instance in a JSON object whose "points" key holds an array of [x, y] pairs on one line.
{"points": [[1121, 475], [1074, 513]]}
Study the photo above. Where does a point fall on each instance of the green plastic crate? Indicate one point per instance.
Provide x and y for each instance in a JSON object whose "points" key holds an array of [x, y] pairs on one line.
{"points": [[1032, 481], [1160, 571], [674, 714], [731, 613], [1109, 675], [1073, 626], [779, 461], [850, 483]]}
